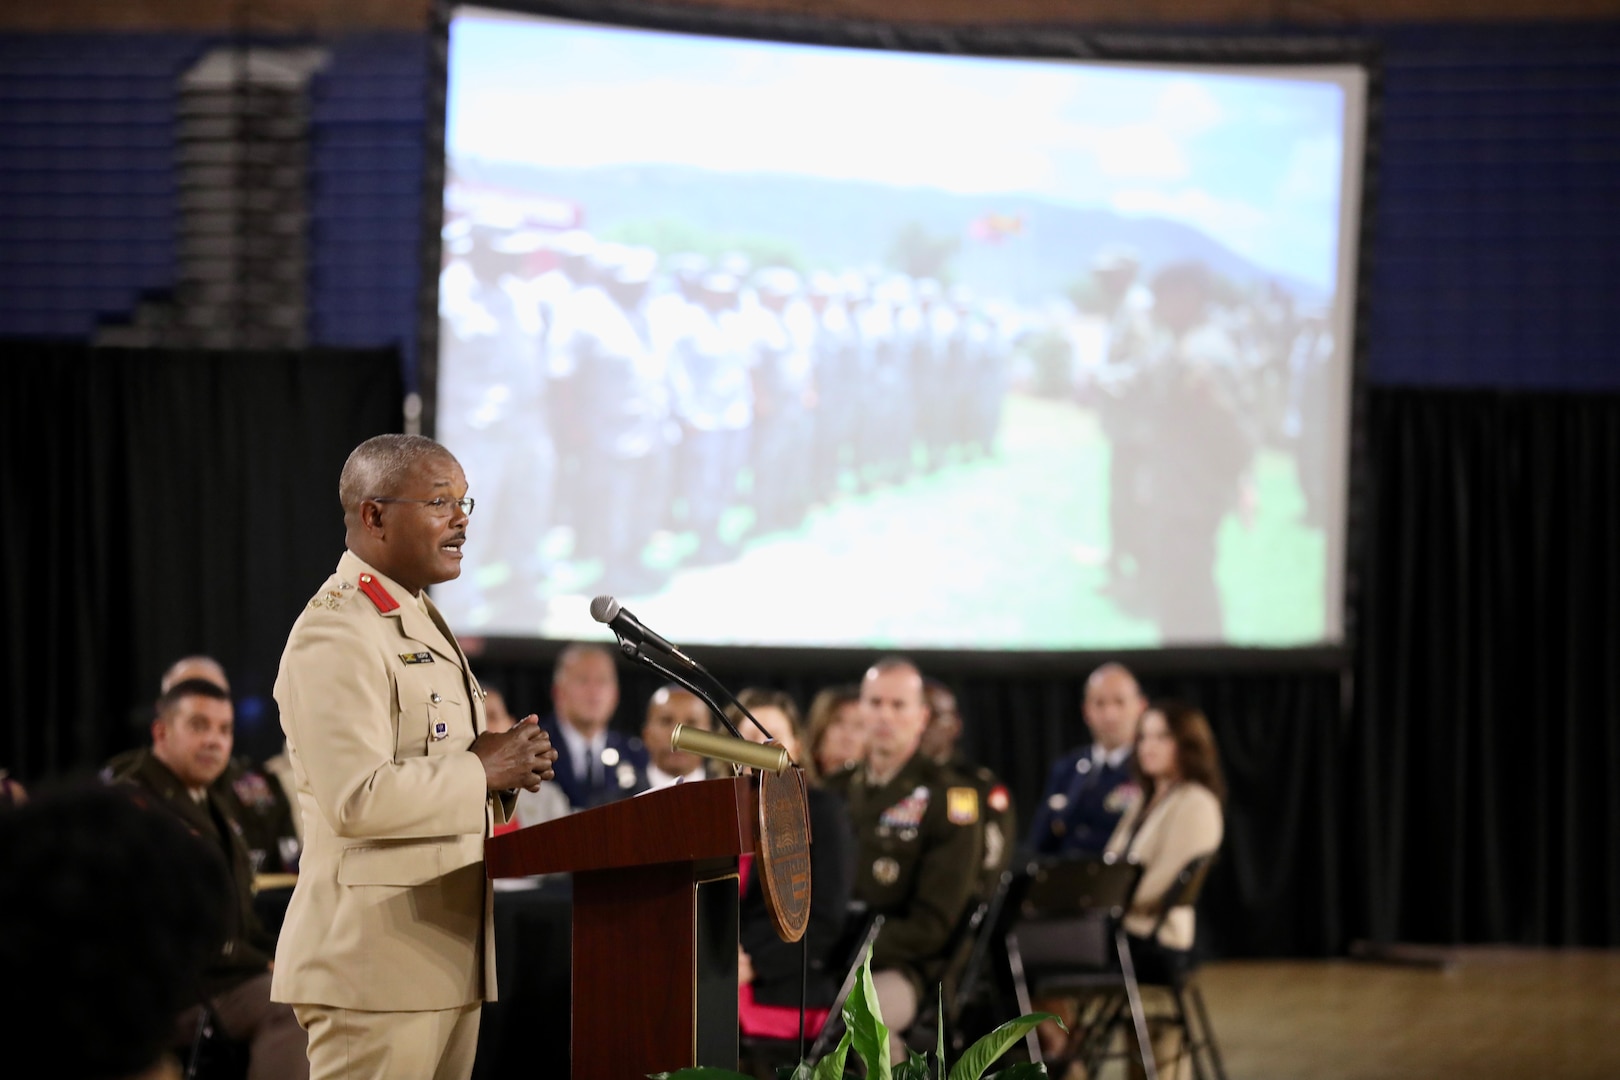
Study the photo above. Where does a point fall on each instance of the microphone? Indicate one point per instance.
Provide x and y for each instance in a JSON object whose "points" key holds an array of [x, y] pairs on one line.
{"points": [[607, 610], [633, 641]]}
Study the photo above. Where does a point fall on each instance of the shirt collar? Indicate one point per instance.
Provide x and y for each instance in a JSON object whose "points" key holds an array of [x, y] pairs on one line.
{"points": [[581, 750], [1114, 759], [658, 778]]}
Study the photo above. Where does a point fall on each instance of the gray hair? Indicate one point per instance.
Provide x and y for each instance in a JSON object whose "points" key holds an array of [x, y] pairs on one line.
{"points": [[381, 465]]}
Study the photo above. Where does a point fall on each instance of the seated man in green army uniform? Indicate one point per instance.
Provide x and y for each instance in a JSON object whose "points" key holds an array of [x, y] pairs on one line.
{"points": [[919, 836]]}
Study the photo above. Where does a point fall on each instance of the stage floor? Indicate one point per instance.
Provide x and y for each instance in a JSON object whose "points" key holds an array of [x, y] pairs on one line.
{"points": [[1474, 1013]]}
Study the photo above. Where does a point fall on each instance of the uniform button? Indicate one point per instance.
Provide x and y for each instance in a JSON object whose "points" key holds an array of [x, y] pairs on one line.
{"points": [[435, 699]]}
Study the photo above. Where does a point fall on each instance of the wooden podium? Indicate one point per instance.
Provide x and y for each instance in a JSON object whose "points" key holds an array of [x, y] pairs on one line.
{"points": [[655, 922]]}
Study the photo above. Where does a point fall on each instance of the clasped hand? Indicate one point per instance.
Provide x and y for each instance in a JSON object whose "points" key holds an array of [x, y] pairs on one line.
{"points": [[519, 758]]}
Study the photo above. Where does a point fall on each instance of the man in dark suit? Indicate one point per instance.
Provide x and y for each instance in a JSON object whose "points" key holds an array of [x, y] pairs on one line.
{"points": [[1091, 788], [594, 765], [191, 746]]}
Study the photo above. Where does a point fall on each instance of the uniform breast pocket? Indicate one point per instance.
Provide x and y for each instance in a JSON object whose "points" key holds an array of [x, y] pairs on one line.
{"points": [[433, 719]]}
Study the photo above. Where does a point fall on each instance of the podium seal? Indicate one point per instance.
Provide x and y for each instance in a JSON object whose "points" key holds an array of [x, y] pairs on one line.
{"points": [[783, 863]]}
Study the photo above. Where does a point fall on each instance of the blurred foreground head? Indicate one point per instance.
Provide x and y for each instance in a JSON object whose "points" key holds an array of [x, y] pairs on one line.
{"points": [[109, 910]]}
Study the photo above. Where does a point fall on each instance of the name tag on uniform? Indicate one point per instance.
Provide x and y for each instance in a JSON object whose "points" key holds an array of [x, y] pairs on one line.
{"points": [[441, 730], [416, 657]]}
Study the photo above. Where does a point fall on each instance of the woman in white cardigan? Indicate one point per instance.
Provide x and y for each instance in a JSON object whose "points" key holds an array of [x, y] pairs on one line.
{"points": [[1177, 819]]}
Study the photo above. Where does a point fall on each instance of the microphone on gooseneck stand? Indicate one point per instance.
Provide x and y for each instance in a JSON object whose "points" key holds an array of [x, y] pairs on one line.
{"points": [[625, 626], [635, 639]]}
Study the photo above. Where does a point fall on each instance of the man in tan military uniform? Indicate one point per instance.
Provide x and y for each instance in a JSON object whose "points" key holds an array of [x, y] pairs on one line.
{"points": [[919, 840], [387, 951]]}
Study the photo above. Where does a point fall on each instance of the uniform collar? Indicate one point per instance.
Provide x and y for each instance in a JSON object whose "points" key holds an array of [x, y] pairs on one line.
{"points": [[417, 615]]}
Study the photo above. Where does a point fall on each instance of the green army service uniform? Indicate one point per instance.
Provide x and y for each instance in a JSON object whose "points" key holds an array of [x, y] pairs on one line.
{"points": [[1000, 819], [919, 842]]}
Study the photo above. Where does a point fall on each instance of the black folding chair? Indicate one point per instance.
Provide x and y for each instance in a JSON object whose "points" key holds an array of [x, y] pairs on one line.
{"points": [[1120, 993], [860, 934], [1178, 977], [211, 1053], [982, 997], [1067, 941]]}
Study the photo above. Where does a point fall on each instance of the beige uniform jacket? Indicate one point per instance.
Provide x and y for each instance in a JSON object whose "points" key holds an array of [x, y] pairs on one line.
{"points": [[1185, 823], [392, 910]]}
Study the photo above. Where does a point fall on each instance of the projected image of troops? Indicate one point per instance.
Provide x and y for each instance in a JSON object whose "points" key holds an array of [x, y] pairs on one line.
{"points": [[837, 384], [782, 338], [494, 411], [1124, 392], [622, 397], [572, 270], [932, 373], [1197, 464], [713, 402]]}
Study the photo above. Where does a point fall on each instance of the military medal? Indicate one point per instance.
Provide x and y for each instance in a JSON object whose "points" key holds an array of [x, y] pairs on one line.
{"points": [[440, 730]]}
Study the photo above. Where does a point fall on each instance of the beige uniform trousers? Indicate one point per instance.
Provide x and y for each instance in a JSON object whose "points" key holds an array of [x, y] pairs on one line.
{"points": [[352, 1044]]}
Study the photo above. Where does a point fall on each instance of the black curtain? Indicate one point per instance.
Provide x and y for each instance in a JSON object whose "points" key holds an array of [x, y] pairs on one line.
{"points": [[1454, 786], [1484, 801], [168, 503]]}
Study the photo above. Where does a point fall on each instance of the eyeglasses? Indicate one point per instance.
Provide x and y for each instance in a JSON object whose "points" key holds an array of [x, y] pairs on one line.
{"points": [[440, 506]]}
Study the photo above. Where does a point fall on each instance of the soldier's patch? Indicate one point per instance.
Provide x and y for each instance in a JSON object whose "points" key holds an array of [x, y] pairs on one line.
{"points": [[441, 730], [998, 799], [1122, 798], [416, 657], [907, 813], [886, 871], [962, 805]]}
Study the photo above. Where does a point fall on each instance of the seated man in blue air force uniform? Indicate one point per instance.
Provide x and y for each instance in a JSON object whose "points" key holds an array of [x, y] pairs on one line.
{"points": [[1090, 789], [595, 764]]}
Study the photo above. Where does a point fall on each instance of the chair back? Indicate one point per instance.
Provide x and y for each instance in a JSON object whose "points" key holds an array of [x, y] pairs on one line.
{"points": [[1080, 886], [860, 933], [1069, 908], [1185, 890]]}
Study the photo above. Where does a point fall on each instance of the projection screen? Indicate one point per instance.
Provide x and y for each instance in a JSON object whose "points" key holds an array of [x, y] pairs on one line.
{"points": [[800, 345]]}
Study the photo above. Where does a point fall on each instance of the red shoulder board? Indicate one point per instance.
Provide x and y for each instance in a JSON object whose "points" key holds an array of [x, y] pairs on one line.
{"points": [[377, 594]]}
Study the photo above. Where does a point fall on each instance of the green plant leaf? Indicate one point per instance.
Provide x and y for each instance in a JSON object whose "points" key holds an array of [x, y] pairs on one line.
{"points": [[700, 1072], [831, 1067], [1021, 1070], [915, 1067], [981, 1054], [801, 1071], [869, 1035], [939, 1051]]}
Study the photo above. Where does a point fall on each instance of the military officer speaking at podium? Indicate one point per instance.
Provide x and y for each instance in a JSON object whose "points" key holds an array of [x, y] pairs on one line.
{"points": [[388, 952]]}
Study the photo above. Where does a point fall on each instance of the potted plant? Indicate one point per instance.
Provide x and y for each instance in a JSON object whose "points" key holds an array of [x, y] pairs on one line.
{"points": [[867, 1036]]}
